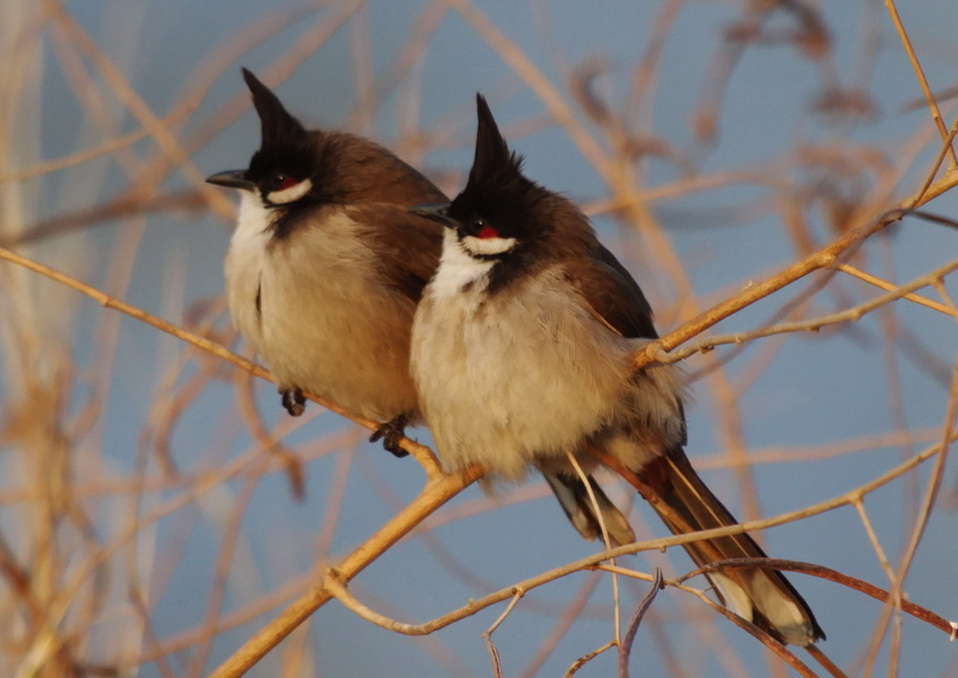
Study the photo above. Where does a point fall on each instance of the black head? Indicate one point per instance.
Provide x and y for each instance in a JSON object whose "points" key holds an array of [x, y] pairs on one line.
{"points": [[295, 166], [498, 202], [282, 168]]}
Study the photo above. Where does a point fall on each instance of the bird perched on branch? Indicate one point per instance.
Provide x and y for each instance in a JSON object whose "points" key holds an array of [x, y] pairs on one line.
{"points": [[522, 354], [326, 265]]}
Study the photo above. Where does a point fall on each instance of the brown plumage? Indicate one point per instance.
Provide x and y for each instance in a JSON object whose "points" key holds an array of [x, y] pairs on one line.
{"points": [[326, 265], [522, 353]]}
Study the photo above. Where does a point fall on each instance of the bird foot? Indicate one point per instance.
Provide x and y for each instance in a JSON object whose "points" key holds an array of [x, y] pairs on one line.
{"points": [[391, 432], [293, 401]]}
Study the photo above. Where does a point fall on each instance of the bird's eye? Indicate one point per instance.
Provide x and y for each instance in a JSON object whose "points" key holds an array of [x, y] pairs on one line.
{"points": [[282, 181], [483, 229]]}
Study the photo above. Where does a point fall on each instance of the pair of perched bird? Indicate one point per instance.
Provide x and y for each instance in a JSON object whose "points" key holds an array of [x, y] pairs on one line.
{"points": [[497, 319]]}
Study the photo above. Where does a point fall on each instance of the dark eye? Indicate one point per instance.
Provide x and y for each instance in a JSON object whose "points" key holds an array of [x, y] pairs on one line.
{"points": [[483, 229], [281, 180]]}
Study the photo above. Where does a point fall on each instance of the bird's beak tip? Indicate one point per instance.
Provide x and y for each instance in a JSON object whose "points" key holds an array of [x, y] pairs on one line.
{"points": [[434, 211], [231, 179]]}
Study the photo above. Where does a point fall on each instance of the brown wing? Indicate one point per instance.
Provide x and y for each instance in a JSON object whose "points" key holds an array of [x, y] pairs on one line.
{"points": [[617, 301], [407, 246], [613, 295]]}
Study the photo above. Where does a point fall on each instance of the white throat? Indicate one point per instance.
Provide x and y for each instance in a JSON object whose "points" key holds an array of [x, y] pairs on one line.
{"points": [[458, 268], [252, 226]]}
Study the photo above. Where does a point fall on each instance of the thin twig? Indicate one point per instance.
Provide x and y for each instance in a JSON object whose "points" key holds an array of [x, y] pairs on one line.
{"points": [[833, 670], [487, 636], [127, 95], [770, 643], [421, 453], [815, 324], [616, 622], [823, 258], [436, 493], [827, 573], [586, 658], [920, 76], [873, 538], [889, 287], [625, 648]]}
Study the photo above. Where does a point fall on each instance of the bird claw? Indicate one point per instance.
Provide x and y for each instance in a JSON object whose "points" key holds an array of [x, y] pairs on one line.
{"points": [[293, 401], [391, 432]]}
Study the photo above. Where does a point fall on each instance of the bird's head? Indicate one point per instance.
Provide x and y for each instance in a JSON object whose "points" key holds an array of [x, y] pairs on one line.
{"points": [[282, 170], [500, 211]]}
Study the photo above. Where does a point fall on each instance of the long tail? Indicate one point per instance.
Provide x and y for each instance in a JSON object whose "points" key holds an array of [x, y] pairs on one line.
{"points": [[763, 596]]}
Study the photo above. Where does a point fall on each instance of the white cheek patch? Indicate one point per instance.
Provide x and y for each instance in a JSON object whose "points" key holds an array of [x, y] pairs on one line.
{"points": [[487, 246], [457, 269], [293, 193]]}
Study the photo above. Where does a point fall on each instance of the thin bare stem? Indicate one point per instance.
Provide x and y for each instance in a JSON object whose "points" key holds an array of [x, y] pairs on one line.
{"points": [[436, 493], [421, 453], [920, 76], [625, 648]]}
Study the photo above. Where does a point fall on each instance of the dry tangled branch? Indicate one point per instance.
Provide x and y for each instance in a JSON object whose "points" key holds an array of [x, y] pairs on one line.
{"points": [[145, 525]]}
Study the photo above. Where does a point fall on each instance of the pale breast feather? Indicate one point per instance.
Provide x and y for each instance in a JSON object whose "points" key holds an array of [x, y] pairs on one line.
{"points": [[246, 260], [527, 367], [328, 324]]}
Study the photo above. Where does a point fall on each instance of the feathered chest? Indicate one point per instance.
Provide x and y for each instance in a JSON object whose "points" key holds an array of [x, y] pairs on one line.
{"points": [[316, 307], [527, 371], [324, 259], [308, 291]]}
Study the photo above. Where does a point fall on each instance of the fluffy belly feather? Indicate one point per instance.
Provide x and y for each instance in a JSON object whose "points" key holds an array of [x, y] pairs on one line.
{"points": [[318, 321], [507, 382]]}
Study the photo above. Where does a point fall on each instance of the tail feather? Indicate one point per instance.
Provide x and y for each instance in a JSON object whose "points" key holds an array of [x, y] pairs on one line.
{"points": [[574, 498], [762, 596]]}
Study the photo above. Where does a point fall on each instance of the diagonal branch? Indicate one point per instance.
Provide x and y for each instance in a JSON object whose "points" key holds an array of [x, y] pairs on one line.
{"points": [[824, 258], [437, 492], [421, 453], [815, 324]]}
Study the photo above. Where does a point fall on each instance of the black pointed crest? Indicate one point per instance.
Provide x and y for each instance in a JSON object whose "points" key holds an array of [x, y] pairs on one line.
{"points": [[492, 152], [496, 171], [493, 156], [496, 189], [277, 126]]}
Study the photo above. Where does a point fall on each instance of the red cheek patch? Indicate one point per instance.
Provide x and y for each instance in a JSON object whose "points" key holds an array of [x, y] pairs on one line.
{"points": [[487, 232]]}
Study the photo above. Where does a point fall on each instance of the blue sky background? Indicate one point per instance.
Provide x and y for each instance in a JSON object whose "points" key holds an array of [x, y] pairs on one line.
{"points": [[796, 398]]}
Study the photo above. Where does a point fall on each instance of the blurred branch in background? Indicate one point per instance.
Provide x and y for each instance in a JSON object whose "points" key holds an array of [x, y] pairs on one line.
{"points": [[159, 517]]}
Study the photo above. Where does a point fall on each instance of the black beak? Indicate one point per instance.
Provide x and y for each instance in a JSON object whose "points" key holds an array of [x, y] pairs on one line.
{"points": [[438, 212], [232, 179]]}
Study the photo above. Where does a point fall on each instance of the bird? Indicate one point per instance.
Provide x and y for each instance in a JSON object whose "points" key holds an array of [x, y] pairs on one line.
{"points": [[326, 265], [522, 350]]}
